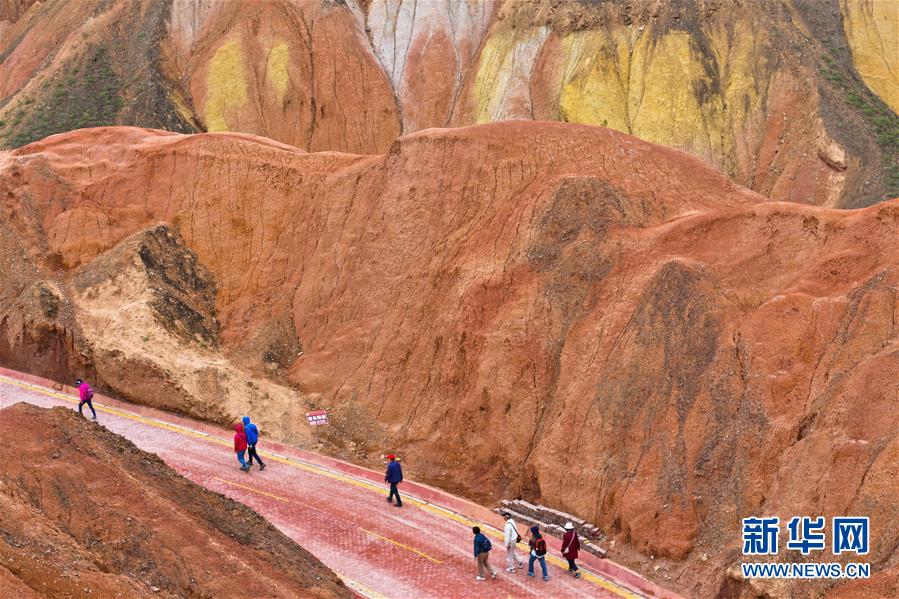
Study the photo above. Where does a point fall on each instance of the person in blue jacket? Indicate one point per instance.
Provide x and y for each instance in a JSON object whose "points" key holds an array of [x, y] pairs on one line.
{"points": [[252, 438], [482, 547], [394, 476]]}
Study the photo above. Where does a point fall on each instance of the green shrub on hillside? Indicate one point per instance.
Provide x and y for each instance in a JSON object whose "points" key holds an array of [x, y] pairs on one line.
{"points": [[876, 114], [86, 93]]}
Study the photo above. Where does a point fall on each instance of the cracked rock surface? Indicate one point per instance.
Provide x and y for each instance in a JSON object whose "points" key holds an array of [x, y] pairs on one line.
{"points": [[558, 312]]}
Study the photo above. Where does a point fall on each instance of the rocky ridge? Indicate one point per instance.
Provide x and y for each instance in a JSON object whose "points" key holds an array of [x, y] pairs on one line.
{"points": [[794, 99]]}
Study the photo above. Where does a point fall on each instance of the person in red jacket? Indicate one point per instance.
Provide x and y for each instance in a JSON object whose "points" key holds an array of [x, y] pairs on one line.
{"points": [[570, 546], [240, 446]]}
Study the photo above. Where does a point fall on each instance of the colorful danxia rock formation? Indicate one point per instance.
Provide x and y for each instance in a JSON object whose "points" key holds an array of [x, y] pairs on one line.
{"points": [[505, 303], [793, 99], [637, 261]]}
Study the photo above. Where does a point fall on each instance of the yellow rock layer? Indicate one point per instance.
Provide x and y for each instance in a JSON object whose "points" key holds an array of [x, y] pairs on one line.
{"points": [[663, 103], [226, 87], [872, 30], [505, 66], [659, 89], [276, 70], [595, 83], [181, 106]]}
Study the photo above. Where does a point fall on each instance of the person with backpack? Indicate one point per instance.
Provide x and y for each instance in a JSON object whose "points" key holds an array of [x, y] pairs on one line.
{"points": [[252, 433], [511, 538], [394, 476], [86, 395], [240, 446], [570, 547], [538, 552], [482, 547]]}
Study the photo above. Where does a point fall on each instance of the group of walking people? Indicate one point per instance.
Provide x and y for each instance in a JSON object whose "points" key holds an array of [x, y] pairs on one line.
{"points": [[246, 433], [537, 550], [246, 436], [482, 545]]}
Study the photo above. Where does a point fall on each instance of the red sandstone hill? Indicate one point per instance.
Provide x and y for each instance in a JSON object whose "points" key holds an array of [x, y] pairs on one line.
{"points": [[80, 512], [554, 311]]}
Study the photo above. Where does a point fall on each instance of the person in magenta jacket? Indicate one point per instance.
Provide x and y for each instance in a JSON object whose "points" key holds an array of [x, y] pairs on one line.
{"points": [[570, 547], [240, 446], [86, 395]]}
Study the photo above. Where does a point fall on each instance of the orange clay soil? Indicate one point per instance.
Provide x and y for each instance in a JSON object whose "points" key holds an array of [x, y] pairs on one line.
{"points": [[559, 312], [83, 510]]}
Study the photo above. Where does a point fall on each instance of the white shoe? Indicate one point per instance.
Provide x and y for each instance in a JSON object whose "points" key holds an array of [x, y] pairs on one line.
{"points": [[493, 575], [479, 578], [510, 569]]}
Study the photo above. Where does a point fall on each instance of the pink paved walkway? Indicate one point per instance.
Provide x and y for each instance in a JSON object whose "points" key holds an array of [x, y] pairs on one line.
{"points": [[338, 510]]}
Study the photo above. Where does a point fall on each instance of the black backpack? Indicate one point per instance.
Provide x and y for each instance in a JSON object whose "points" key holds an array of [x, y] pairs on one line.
{"points": [[540, 547]]}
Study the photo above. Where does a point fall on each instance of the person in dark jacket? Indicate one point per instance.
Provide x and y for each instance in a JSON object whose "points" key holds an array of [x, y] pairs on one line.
{"points": [[252, 438], [570, 547], [240, 446], [394, 476], [85, 395], [482, 554], [538, 552]]}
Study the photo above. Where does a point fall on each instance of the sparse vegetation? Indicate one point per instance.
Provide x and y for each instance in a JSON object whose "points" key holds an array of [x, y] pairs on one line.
{"points": [[85, 93], [878, 116], [831, 76], [892, 178]]}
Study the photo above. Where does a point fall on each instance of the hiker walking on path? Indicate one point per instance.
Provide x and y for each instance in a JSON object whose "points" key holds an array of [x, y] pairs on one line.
{"points": [[394, 476], [86, 395], [570, 547], [538, 552], [482, 547], [240, 446], [252, 433], [511, 538]]}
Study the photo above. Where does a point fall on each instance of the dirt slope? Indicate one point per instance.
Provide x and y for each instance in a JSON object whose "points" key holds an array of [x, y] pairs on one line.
{"points": [[560, 312], [772, 93], [84, 510], [140, 320]]}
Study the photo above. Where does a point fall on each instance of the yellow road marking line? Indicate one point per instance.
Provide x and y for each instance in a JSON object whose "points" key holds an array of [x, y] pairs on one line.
{"points": [[360, 588], [228, 482], [398, 544], [443, 513], [586, 575]]}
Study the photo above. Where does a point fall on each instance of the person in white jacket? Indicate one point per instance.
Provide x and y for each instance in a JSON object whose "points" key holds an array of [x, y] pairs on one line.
{"points": [[511, 538]]}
